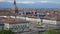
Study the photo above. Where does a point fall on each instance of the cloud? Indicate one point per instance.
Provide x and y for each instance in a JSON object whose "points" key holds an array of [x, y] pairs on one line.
{"points": [[9, 1], [23, 2], [51, 2], [27, 2], [31, 2], [1, 0], [43, 1]]}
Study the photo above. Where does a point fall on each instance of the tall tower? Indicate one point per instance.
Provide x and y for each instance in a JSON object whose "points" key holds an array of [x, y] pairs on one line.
{"points": [[15, 9]]}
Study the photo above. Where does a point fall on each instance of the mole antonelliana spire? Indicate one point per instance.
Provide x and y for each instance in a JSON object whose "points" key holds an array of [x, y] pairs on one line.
{"points": [[15, 9]]}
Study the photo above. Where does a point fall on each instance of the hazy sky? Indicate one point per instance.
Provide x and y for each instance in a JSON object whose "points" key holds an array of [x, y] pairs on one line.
{"points": [[33, 1]]}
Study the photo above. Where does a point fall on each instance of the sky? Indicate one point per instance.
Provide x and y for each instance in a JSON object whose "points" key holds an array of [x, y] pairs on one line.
{"points": [[33, 1]]}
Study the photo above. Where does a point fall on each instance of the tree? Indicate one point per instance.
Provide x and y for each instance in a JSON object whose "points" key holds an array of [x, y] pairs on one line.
{"points": [[6, 32], [52, 32]]}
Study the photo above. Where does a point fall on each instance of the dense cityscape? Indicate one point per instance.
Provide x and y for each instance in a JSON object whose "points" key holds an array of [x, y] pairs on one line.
{"points": [[29, 20]]}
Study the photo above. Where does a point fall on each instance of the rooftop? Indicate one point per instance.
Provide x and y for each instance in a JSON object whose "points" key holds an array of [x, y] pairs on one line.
{"points": [[12, 20]]}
